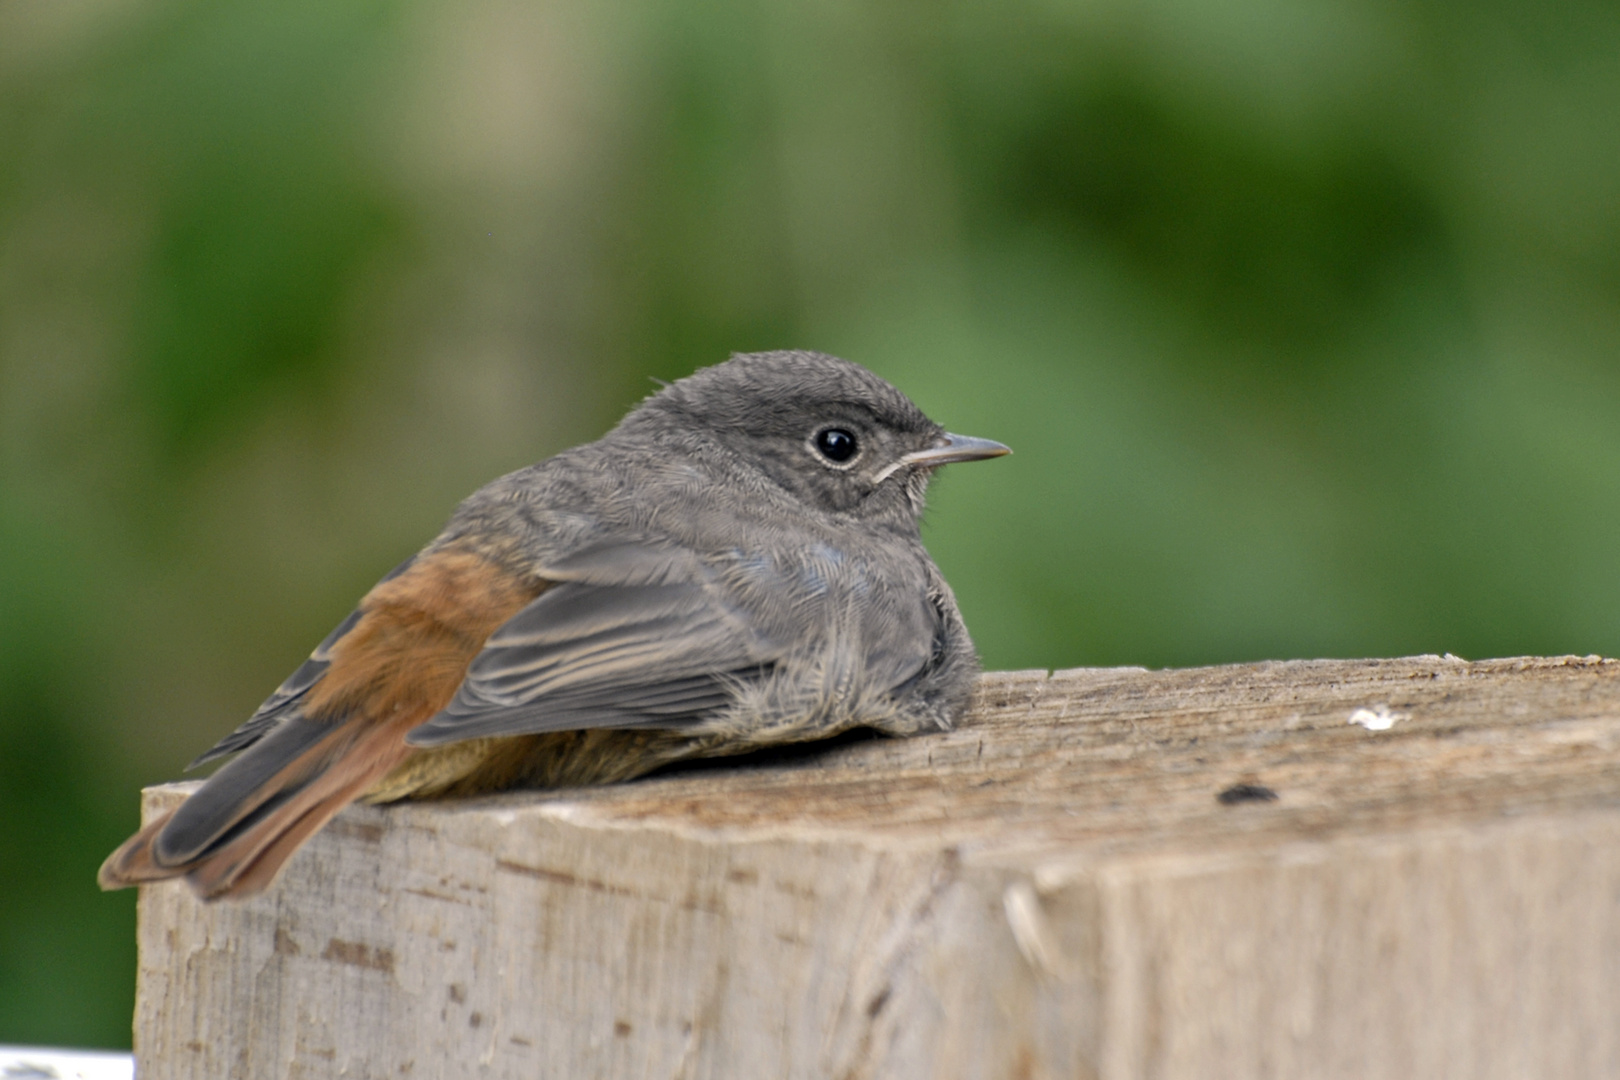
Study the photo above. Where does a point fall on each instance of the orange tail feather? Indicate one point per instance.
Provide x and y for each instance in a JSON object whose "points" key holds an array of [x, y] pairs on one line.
{"points": [[396, 666]]}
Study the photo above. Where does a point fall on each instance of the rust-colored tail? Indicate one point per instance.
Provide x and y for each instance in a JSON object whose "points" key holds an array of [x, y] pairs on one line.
{"points": [[233, 841], [387, 670]]}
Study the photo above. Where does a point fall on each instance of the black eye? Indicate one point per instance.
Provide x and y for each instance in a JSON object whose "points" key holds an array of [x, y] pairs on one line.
{"points": [[836, 444]]}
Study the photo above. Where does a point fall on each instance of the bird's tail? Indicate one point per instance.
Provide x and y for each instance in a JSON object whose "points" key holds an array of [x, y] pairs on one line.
{"points": [[232, 835], [386, 670]]}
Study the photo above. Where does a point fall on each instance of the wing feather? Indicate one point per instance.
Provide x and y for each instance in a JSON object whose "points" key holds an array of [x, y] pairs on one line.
{"points": [[644, 636]]}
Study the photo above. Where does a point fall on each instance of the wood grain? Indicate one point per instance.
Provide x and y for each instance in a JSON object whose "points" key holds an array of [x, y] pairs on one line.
{"points": [[1055, 889]]}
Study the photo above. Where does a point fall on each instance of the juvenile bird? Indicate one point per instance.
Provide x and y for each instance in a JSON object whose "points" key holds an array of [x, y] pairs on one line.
{"points": [[736, 564]]}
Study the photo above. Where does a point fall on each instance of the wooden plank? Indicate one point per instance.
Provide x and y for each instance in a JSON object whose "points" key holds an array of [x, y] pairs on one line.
{"points": [[1055, 889]]}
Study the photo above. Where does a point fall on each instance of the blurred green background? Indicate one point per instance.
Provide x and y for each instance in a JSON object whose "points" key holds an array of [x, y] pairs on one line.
{"points": [[1302, 316]]}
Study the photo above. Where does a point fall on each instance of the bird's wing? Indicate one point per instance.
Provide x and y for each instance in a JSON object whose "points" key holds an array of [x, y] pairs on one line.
{"points": [[630, 634], [281, 704]]}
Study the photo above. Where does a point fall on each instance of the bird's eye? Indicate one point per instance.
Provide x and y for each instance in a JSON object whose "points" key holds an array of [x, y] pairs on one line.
{"points": [[836, 444]]}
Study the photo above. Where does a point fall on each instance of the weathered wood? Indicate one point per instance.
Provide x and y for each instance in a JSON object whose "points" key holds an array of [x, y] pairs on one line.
{"points": [[1052, 890]]}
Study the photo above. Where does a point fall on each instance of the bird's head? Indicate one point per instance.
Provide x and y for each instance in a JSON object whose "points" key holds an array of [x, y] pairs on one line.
{"points": [[831, 433]]}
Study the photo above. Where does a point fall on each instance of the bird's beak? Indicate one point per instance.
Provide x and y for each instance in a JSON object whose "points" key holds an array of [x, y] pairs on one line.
{"points": [[957, 448], [951, 448]]}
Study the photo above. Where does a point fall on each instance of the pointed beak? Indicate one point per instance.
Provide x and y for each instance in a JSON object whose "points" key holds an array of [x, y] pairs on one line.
{"points": [[957, 448], [951, 448]]}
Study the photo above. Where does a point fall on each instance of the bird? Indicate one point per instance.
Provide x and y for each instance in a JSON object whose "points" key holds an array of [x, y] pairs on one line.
{"points": [[737, 564]]}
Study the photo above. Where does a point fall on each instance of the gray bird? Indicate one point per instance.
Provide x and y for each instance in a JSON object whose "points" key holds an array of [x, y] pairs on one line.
{"points": [[737, 564]]}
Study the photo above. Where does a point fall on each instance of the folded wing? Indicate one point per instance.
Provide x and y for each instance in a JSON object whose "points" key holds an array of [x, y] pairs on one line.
{"points": [[630, 635]]}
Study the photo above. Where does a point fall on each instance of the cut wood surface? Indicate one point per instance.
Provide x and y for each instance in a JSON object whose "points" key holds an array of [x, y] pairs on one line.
{"points": [[1109, 873]]}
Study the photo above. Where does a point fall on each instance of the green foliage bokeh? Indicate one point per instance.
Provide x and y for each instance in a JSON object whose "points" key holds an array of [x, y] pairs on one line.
{"points": [[1302, 317]]}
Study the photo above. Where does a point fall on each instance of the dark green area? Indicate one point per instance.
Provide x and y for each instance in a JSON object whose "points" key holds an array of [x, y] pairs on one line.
{"points": [[1301, 320]]}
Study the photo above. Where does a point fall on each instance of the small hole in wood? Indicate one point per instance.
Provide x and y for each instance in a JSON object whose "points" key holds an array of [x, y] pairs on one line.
{"points": [[1242, 793]]}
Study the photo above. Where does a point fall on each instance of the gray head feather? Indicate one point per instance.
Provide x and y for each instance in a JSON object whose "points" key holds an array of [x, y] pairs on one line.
{"points": [[769, 409]]}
